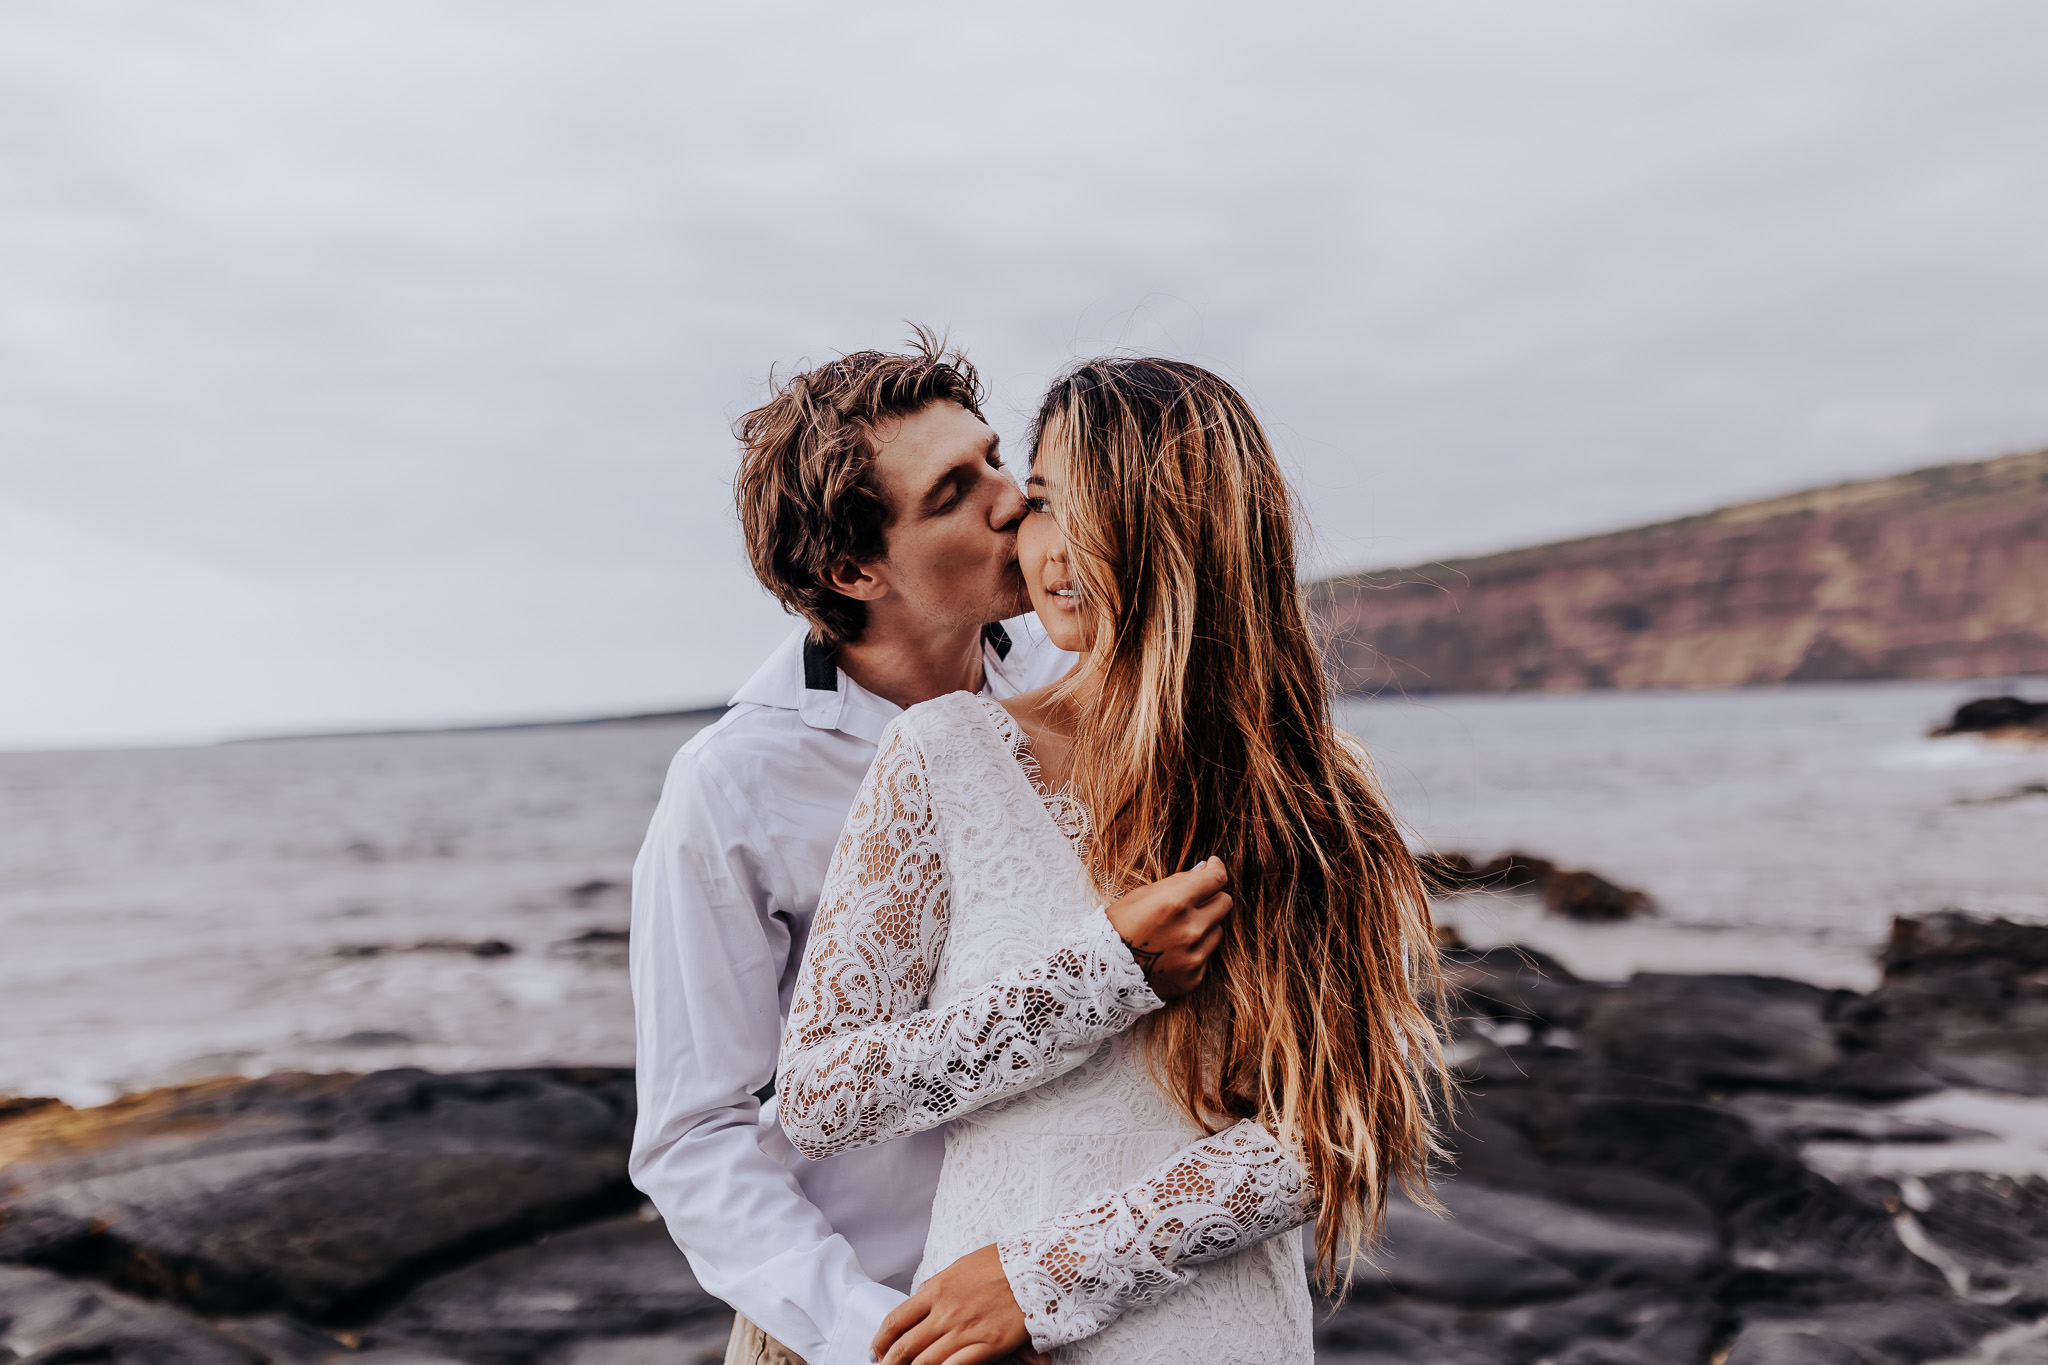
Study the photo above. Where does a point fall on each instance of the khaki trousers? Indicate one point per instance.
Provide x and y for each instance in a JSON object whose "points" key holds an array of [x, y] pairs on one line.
{"points": [[752, 1346]]}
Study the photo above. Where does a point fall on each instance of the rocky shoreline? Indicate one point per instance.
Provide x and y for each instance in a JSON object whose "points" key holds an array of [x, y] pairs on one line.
{"points": [[1632, 1185]]}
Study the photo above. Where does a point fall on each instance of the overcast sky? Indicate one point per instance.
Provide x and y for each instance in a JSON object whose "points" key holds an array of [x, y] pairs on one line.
{"points": [[368, 363]]}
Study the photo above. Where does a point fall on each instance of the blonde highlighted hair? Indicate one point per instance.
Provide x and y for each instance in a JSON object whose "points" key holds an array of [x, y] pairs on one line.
{"points": [[1207, 731]]}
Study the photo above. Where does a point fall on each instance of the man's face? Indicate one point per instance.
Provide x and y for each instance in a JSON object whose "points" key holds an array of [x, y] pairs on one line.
{"points": [[953, 514]]}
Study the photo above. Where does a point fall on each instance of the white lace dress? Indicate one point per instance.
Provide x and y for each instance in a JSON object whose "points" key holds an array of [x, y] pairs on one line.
{"points": [[960, 971]]}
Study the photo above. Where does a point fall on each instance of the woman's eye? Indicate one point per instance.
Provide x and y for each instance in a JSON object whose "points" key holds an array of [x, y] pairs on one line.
{"points": [[1042, 506]]}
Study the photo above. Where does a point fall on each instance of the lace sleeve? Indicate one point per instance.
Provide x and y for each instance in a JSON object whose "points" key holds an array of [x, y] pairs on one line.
{"points": [[1078, 1271], [863, 1060]]}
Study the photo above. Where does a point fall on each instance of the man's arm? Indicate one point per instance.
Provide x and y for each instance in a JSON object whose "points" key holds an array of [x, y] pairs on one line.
{"points": [[707, 963]]}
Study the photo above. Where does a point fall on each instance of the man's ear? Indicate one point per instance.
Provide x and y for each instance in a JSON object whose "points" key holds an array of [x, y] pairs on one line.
{"points": [[861, 582]]}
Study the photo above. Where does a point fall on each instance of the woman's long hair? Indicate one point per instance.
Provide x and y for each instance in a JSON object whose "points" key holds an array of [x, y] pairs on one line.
{"points": [[1207, 731]]}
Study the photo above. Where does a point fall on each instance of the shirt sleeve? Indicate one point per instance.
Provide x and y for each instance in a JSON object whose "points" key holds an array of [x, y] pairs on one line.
{"points": [[708, 958], [863, 1060], [1075, 1273]]}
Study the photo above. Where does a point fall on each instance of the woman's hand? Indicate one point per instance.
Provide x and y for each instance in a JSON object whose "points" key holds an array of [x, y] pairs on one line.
{"points": [[963, 1315], [1172, 925]]}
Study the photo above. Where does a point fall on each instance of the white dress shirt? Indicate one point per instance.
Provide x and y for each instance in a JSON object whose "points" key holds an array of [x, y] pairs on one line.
{"points": [[814, 1252]]}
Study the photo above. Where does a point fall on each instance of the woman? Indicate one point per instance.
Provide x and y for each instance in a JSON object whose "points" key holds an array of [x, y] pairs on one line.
{"points": [[955, 969]]}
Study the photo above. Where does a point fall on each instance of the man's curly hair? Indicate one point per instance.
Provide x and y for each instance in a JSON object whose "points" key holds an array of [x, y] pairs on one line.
{"points": [[806, 491]]}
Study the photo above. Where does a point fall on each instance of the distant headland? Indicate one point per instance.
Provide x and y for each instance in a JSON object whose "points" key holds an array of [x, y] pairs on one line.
{"points": [[1939, 573], [698, 715]]}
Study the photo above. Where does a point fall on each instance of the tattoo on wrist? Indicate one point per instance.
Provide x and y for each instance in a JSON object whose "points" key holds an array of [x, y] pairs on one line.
{"points": [[1146, 961]]}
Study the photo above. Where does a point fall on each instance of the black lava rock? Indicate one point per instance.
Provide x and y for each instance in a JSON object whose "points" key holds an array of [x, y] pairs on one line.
{"points": [[46, 1319], [1987, 714], [618, 1278], [312, 1194]]}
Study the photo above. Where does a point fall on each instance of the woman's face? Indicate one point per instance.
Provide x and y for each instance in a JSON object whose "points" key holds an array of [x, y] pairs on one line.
{"points": [[1042, 554]]}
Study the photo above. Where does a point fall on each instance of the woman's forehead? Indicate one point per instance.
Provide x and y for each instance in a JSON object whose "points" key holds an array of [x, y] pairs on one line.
{"points": [[1048, 461]]}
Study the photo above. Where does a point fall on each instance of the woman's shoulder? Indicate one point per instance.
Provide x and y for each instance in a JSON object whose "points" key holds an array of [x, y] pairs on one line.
{"points": [[941, 718]]}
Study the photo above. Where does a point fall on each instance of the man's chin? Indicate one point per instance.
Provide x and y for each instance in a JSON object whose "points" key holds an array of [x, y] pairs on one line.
{"points": [[1010, 601], [1019, 606]]}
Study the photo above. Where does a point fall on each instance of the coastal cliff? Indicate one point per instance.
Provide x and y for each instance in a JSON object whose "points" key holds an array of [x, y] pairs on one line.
{"points": [[1940, 573]]}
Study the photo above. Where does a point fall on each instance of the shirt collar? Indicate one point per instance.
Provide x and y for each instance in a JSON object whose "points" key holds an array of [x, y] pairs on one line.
{"points": [[787, 676]]}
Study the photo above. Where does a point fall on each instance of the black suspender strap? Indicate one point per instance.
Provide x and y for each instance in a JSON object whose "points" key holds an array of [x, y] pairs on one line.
{"points": [[998, 638]]}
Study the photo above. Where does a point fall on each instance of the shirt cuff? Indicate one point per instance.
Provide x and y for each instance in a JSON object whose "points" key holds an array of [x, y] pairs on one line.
{"points": [[860, 1317]]}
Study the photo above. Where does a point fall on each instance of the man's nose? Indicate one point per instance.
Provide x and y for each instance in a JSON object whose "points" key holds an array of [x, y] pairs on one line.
{"points": [[1008, 508]]}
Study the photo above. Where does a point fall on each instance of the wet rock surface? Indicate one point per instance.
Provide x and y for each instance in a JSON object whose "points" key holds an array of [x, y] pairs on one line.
{"points": [[1631, 1154], [45, 1318], [617, 1279], [1631, 1186], [1908, 1328], [314, 1195], [1964, 1002], [1574, 894], [1998, 715]]}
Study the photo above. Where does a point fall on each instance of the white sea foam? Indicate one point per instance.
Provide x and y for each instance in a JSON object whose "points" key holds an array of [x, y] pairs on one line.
{"points": [[2011, 1139], [1954, 751]]}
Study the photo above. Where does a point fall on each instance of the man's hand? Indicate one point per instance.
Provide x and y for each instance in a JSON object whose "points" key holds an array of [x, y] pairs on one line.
{"points": [[963, 1315], [1172, 925]]}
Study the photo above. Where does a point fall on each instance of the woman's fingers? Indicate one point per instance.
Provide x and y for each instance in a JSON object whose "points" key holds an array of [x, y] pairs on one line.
{"points": [[1206, 878], [1167, 924], [915, 1334], [915, 1340], [956, 1346], [901, 1319], [1203, 952], [1211, 911], [969, 1355]]}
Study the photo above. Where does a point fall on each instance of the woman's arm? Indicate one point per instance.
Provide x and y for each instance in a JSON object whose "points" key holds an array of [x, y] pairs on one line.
{"points": [[1073, 1274], [1078, 1271], [863, 1060]]}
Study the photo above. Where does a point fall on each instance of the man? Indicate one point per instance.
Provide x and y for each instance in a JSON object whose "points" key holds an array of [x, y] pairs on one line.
{"points": [[875, 505]]}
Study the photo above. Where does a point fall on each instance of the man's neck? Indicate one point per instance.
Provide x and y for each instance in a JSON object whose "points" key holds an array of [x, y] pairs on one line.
{"points": [[908, 667]]}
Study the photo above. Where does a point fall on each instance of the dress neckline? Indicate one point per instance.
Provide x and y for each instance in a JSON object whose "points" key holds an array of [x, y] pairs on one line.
{"points": [[1066, 810]]}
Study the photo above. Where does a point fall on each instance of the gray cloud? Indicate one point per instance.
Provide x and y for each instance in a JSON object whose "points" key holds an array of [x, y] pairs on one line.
{"points": [[374, 362]]}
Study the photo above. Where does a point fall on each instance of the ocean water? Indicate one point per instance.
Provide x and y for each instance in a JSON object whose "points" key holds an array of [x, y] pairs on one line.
{"points": [[167, 914], [1778, 830]]}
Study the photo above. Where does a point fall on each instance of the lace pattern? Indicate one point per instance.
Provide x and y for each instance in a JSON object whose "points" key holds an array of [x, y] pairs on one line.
{"points": [[961, 971], [1078, 1271], [1061, 804], [863, 1060]]}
